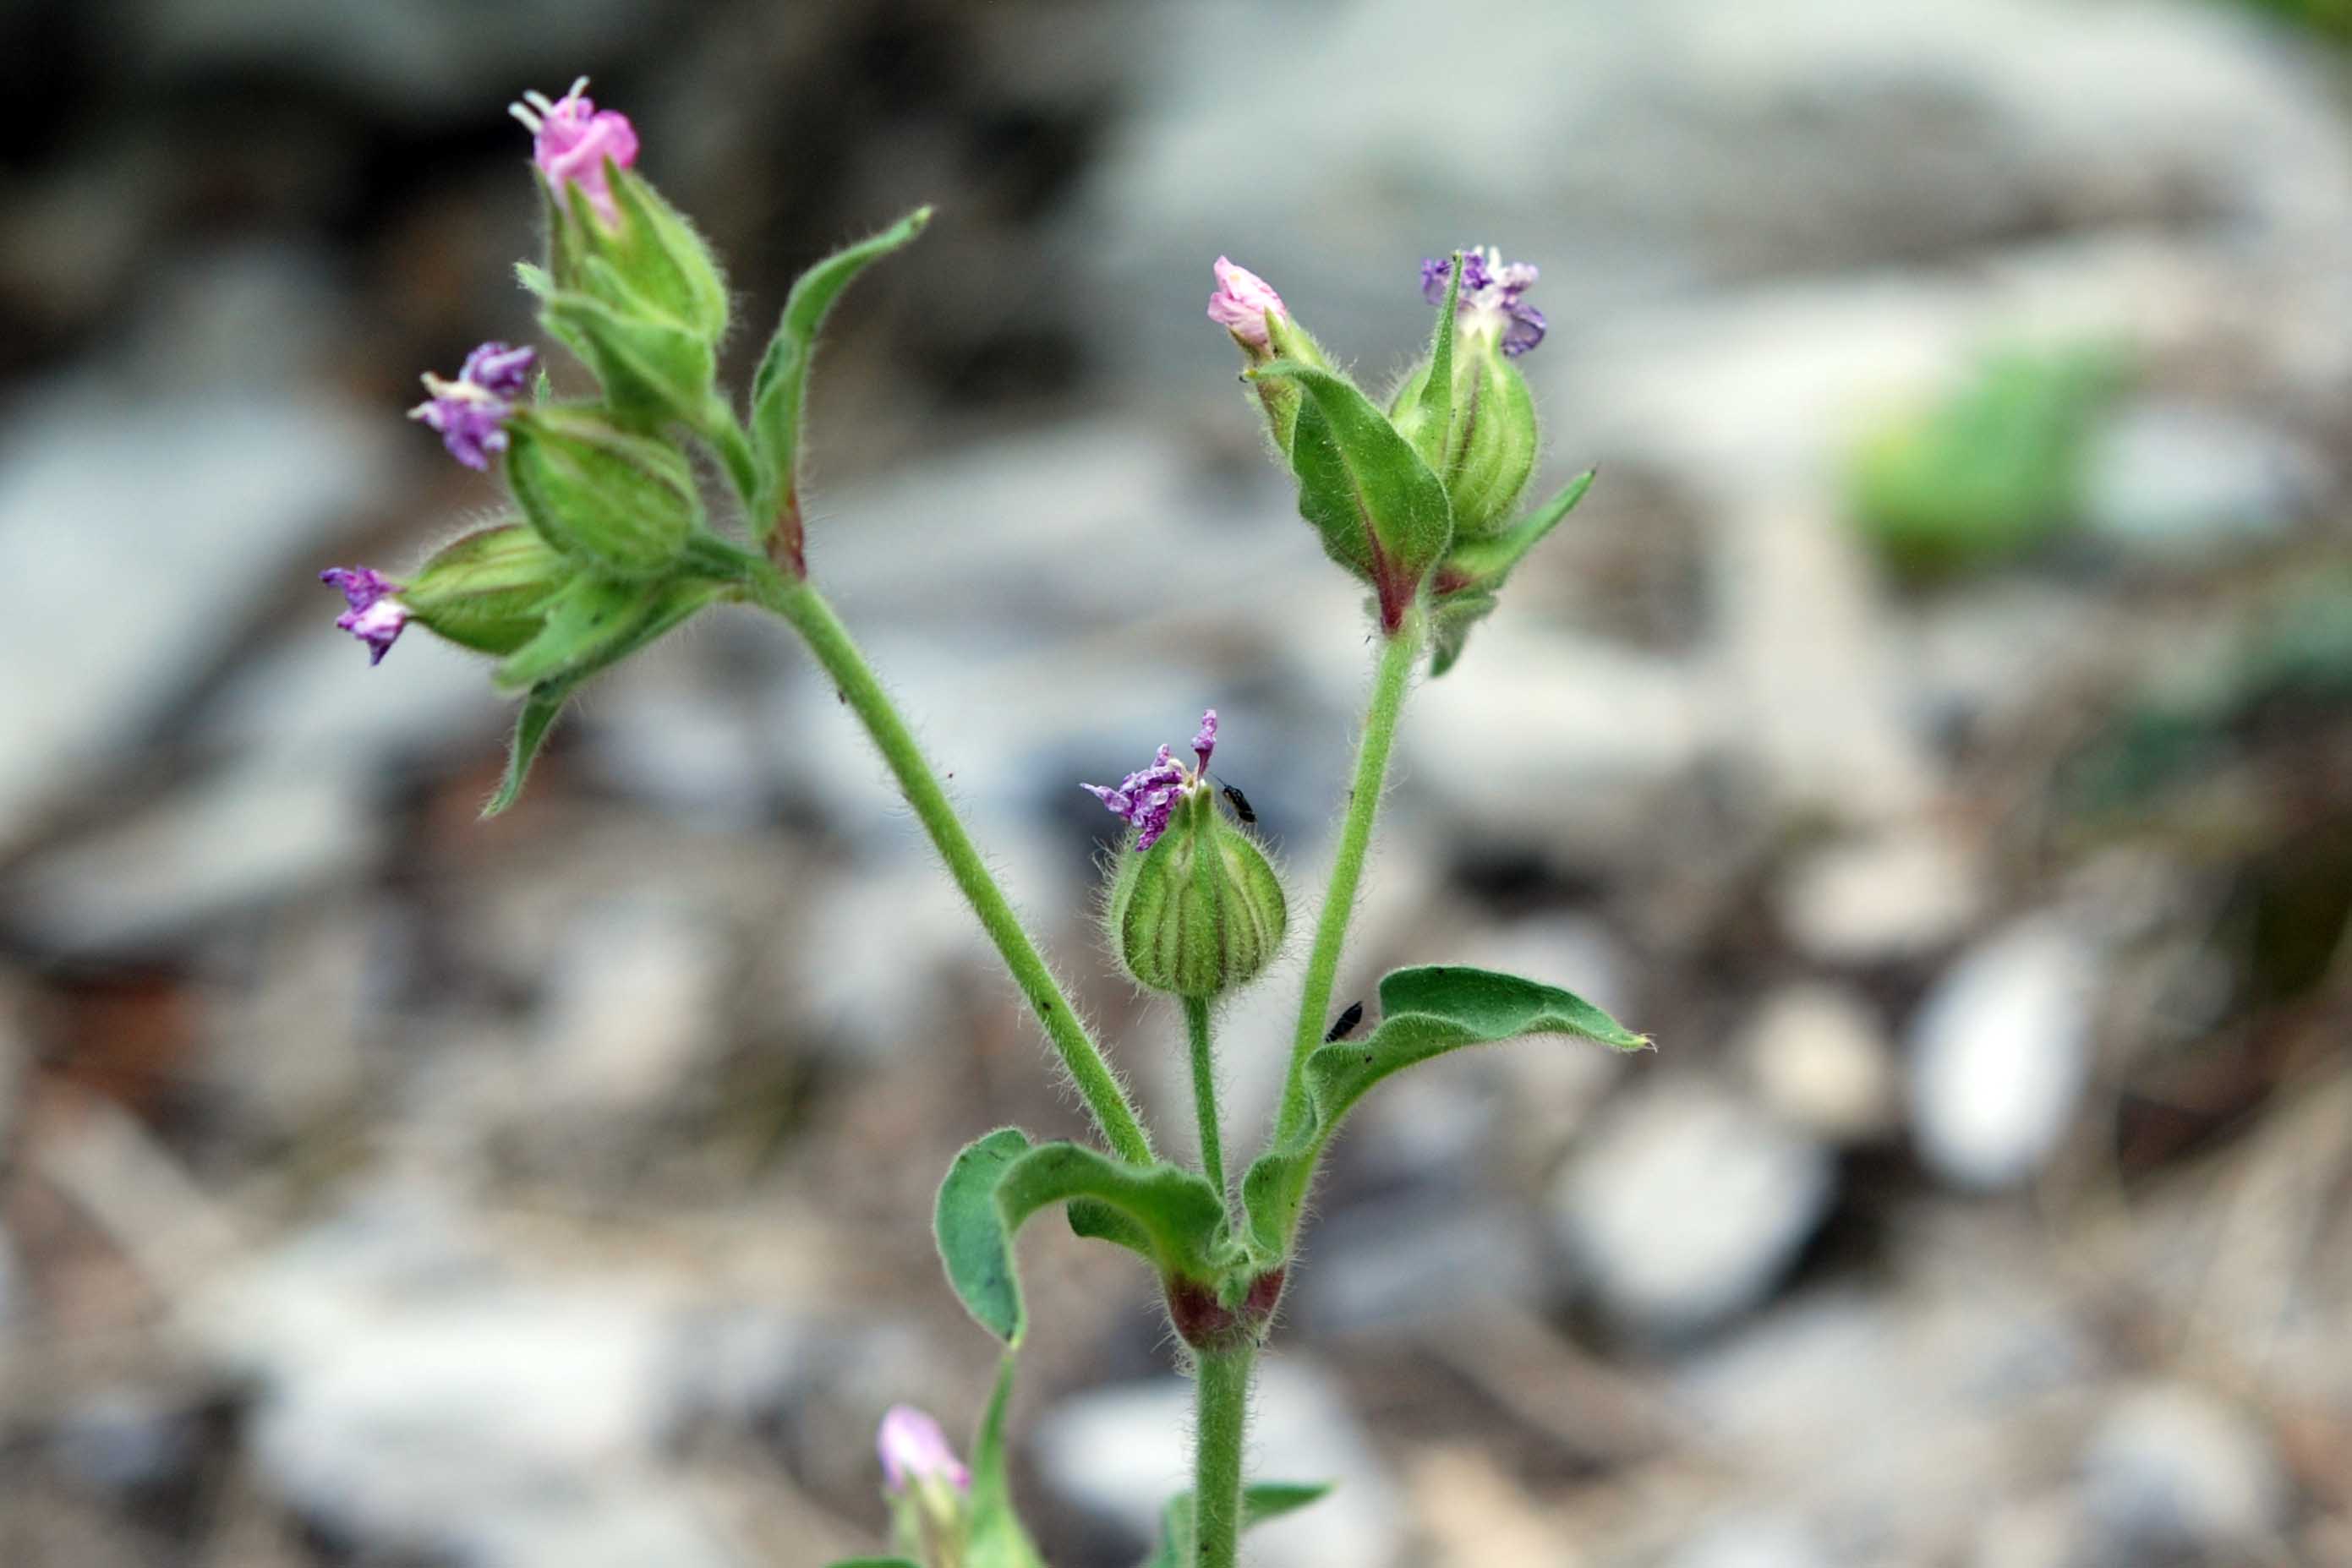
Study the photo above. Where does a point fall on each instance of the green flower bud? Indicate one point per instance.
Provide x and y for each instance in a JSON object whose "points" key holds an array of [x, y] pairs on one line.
{"points": [[1202, 911], [491, 590], [620, 503], [1263, 328], [1487, 449]]}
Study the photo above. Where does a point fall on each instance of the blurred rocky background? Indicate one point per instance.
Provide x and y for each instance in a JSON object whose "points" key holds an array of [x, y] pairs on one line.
{"points": [[1936, 728]]}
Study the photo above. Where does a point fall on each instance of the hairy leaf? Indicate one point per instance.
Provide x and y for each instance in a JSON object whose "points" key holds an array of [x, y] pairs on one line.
{"points": [[1487, 561], [540, 708], [780, 387], [1380, 511], [1425, 1012], [998, 1181]]}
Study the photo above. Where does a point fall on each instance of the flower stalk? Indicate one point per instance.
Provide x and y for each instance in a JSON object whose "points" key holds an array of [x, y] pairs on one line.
{"points": [[1221, 1394], [1203, 1053], [1393, 680], [808, 611]]}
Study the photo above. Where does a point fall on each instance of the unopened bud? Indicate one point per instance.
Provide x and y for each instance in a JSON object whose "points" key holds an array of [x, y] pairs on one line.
{"points": [[491, 590], [1263, 330], [1242, 303], [928, 1487], [601, 211]]}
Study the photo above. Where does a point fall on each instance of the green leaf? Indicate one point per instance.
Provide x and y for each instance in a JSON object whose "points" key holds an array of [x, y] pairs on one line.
{"points": [[1487, 561], [996, 1539], [971, 1235], [1381, 513], [1272, 1499], [1430, 1010], [593, 624], [876, 1562], [589, 615], [1265, 1500], [1436, 402], [1101, 1222], [1474, 569], [1424, 1012], [998, 1181], [1993, 470], [780, 387], [539, 709]]}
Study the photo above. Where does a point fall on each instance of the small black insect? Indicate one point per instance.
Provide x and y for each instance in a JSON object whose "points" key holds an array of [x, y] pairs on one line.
{"points": [[1240, 803], [1348, 1021]]}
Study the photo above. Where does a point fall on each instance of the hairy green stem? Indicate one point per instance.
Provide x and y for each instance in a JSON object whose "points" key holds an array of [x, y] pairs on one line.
{"points": [[829, 640], [1221, 1403], [1204, 1091], [1388, 687]]}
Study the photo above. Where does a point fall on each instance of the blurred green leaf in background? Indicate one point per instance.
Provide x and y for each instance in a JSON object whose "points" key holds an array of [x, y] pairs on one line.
{"points": [[1990, 471]]}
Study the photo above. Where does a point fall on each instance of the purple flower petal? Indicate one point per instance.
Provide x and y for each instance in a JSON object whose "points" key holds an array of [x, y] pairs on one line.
{"points": [[471, 412], [1489, 302], [1147, 798], [1433, 274], [373, 615], [1206, 741], [1525, 330], [499, 370], [1151, 813]]}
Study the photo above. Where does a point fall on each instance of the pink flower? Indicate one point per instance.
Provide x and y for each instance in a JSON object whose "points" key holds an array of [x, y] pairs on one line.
{"points": [[915, 1451], [571, 140], [1242, 302]]}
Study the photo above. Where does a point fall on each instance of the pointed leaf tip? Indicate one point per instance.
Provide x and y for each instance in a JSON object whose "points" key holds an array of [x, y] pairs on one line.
{"points": [[539, 711], [1426, 1013], [779, 386]]}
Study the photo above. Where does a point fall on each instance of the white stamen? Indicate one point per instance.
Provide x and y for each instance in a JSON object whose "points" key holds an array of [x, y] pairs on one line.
{"points": [[540, 108], [459, 391]]}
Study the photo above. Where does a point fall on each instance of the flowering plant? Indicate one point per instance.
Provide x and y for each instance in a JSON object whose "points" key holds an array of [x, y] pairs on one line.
{"points": [[609, 544]]}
